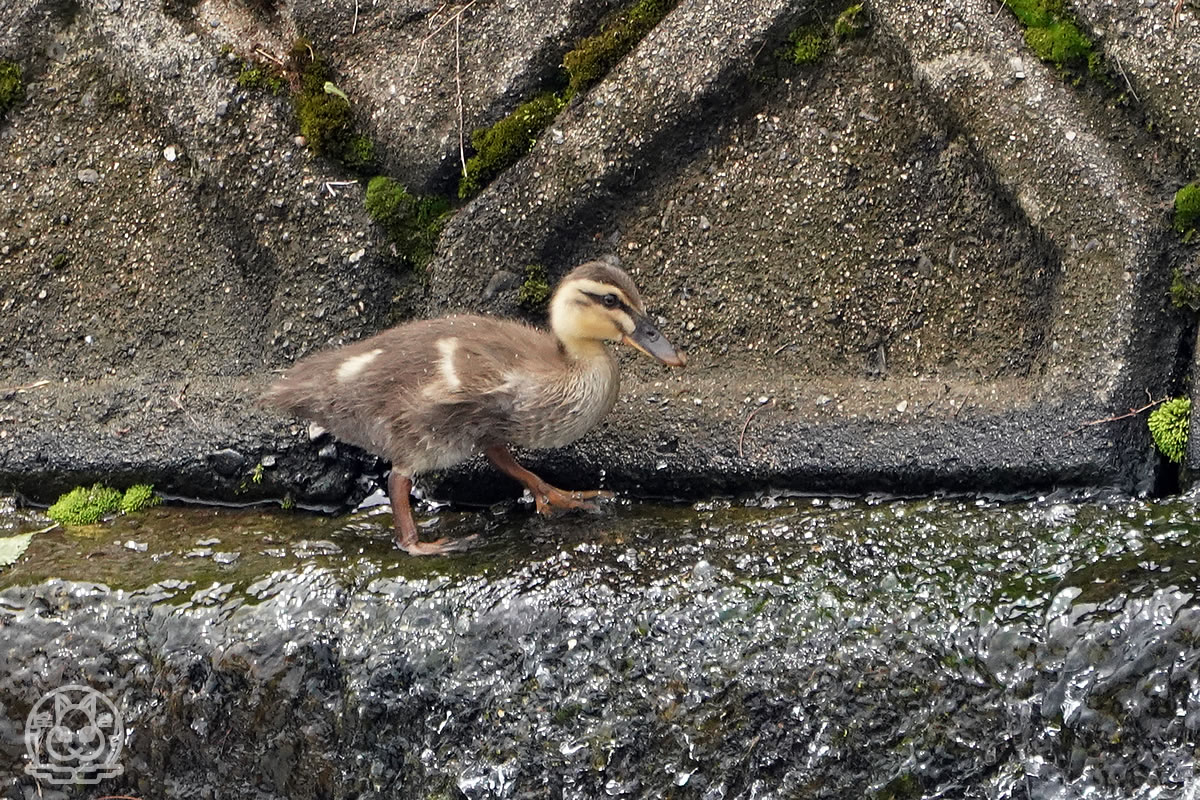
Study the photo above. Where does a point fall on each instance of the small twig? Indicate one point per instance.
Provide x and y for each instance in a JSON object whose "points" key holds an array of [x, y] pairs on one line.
{"points": [[268, 56], [1133, 412], [742, 438], [462, 151], [456, 15], [118, 797], [178, 401], [330, 184], [1175, 14], [44, 530], [783, 347], [1128, 85], [354, 25], [26, 387]]}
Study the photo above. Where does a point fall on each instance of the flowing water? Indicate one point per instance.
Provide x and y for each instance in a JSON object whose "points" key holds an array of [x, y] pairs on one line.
{"points": [[775, 647]]}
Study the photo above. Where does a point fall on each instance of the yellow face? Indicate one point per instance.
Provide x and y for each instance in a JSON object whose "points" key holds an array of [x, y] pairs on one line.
{"points": [[585, 310]]}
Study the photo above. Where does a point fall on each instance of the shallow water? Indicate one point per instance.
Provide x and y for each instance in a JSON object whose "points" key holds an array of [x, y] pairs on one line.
{"points": [[773, 647]]}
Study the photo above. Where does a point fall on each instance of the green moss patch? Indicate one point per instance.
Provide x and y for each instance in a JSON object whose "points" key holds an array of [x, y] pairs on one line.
{"points": [[850, 23], [87, 505], [261, 77], [1184, 293], [806, 45], [139, 497], [1169, 427], [412, 223], [534, 292], [505, 143], [1052, 33], [597, 54], [323, 112], [1187, 209], [12, 86], [499, 147]]}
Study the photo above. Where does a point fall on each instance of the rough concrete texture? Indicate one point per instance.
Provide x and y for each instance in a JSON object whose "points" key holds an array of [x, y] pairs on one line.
{"points": [[928, 261]]}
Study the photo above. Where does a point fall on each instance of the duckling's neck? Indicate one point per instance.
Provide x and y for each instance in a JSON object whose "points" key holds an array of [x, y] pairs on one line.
{"points": [[581, 353]]}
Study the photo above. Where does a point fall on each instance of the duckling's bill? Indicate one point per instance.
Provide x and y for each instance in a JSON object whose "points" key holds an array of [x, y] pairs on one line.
{"points": [[647, 338]]}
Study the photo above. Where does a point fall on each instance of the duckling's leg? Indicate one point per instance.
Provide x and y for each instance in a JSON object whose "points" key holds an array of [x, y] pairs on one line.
{"points": [[399, 488], [547, 497]]}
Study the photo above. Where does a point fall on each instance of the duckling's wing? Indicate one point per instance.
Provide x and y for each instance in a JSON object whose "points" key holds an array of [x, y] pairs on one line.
{"points": [[482, 376]]}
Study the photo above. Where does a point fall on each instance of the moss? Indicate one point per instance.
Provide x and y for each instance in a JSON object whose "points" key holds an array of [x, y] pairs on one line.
{"points": [[359, 152], [806, 45], [85, 505], [1052, 34], [597, 54], [534, 293], [506, 142], [1169, 427], [850, 23], [413, 224], [257, 76], [138, 498], [1184, 293], [325, 119], [118, 99], [1187, 208], [12, 86]]}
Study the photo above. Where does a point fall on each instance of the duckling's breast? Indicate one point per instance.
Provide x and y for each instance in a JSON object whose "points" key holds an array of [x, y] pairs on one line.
{"points": [[557, 412]]}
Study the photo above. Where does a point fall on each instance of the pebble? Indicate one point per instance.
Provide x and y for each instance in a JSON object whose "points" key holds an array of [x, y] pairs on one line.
{"points": [[328, 452], [357, 255], [226, 558], [500, 281], [88, 176], [227, 462], [139, 547], [902, 406], [315, 431], [704, 223], [170, 153]]}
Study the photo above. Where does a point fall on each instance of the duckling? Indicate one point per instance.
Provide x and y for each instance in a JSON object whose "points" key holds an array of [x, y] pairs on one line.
{"points": [[430, 394]]}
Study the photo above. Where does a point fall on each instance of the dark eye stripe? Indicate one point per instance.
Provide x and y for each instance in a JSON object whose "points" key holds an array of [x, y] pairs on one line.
{"points": [[599, 300]]}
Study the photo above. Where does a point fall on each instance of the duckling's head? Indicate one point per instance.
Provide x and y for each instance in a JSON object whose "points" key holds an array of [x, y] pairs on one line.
{"points": [[597, 302]]}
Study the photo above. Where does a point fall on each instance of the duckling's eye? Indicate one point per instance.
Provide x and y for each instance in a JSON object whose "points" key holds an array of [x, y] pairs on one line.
{"points": [[611, 301]]}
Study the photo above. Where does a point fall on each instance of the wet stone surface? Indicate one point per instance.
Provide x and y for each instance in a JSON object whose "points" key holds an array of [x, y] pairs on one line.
{"points": [[778, 648]]}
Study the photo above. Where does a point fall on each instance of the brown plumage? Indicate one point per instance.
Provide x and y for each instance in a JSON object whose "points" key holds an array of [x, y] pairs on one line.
{"points": [[428, 395]]}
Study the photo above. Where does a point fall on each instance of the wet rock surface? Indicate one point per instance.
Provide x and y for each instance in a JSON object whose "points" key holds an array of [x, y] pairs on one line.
{"points": [[818, 648], [937, 267]]}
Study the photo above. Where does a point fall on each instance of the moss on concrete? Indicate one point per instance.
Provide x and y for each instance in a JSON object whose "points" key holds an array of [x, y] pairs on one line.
{"points": [[412, 223], [261, 77], [534, 292], [85, 505], [1187, 209], [806, 45], [507, 141], [324, 115], [1184, 293], [597, 54], [499, 147], [139, 497], [12, 86], [1053, 35], [1169, 427], [850, 23]]}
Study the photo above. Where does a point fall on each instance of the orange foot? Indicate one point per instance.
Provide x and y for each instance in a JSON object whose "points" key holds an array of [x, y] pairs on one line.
{"points": [[438, 548], [550, 499]]}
